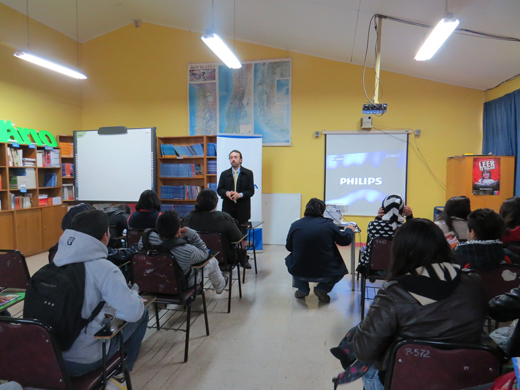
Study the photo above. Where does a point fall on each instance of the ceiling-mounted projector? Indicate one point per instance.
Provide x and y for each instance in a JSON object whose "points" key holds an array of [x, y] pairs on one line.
{"points": [[374, 108]]}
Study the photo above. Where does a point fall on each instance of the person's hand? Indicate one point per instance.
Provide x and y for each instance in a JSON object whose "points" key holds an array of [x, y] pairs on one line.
{"points": [[183, 231], [407, 211], [229, 194], [351, 227], [380, 212], [235, 196]]}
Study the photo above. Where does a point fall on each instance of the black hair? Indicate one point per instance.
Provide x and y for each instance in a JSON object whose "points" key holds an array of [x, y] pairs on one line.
{"points": [[510, 212], [456, 207], [67, 218], [235, 151], [92, 222], [315, 208], [207, 200], [124, 207], [418, 242], [168, 224], [486, 224], [148, 201]]}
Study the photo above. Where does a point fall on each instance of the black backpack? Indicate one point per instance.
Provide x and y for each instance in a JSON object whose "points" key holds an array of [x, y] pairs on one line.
{"points": [[55, 296]]}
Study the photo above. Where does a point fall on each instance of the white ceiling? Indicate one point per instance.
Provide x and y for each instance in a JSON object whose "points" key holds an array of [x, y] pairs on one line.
{"points": [[334, 29]]}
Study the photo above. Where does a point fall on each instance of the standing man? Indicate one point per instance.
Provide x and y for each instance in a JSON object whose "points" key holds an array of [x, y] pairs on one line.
{"points": [[236, 187]]}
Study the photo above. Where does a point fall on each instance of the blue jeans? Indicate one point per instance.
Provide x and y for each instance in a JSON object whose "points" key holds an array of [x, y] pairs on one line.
{"points": [[133, 334], [324, 284], [371, 380]]}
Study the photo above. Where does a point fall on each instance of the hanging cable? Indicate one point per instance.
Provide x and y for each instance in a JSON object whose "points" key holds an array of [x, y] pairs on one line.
{"points": [[27, 14]]}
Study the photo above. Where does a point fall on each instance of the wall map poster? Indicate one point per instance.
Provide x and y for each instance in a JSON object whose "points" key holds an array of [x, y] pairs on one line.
{"points": [[486, 176], [255, 99]]}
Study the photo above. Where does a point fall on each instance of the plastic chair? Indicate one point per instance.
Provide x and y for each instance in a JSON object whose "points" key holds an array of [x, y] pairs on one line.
{"points": [[215, 242], [133, 236], [379, 260], [431, 365], [158, 274], [30, 355], [13, 270]]}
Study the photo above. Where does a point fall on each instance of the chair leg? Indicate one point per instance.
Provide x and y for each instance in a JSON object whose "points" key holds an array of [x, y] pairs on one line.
{"points": [[127, 378], [363, 287], [205, 312], [230, 288], [157, 315], [239, 282], [254, 258], [187, 343], [243, 275]]}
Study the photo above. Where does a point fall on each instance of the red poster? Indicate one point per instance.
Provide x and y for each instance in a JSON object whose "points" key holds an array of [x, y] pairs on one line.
{"points": [[486, 176]]}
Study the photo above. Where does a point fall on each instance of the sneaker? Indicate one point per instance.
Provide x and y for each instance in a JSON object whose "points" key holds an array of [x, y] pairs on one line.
{"points": [[300, 294], [247, 265], [221, 290], [322, 295], [117, 382]]}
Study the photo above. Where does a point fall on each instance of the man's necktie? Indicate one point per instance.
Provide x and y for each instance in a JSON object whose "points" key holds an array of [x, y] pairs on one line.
{"points": [[235, 177]]}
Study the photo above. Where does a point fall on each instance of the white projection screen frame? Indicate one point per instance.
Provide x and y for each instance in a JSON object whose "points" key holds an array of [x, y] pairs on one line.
{"points": [[114, 166], [362, 168]]}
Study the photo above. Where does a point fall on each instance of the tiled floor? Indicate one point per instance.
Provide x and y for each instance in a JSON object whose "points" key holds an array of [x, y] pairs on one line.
{"points": [[270, 340]]}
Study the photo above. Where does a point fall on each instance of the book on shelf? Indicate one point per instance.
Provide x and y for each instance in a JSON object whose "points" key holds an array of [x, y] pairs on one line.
{"points": [[182, 209], [39, 159], [180, 170], [195, 150], [68, 192], [67, 169], [212, 149], [28, 162], [51, 158], [42, 200], [212, 186], [180, 192], [15, 157], [212, 167], [50, 180], [67, 149], [55, 200], [23, 178], [21, 201]]}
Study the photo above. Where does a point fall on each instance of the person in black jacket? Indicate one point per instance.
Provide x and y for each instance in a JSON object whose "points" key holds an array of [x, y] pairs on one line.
{"points": [[236, 193], [314, 255]]}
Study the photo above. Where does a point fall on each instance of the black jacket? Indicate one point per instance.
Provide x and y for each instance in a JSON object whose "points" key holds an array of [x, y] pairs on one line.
{"points": [[241, 210], [506, 307], [312, 243], [396, 315]]}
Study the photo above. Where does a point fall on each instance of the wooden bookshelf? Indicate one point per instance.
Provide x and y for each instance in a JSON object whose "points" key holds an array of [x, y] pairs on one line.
{"points": [[32, 228], [66, 143], [176, 176]]}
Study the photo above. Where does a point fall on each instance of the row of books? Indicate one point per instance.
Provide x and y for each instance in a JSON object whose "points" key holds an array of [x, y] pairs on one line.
{"points": [[179, 192], [212, 149], [45, 200], [182, 209], [180, 150], [23, 178], [48, 158], [180, 170], [68, 192], [67, 149], [212, 186], [15, 157], [50, 180], [67, 169], [212, 167], [21, 201]]}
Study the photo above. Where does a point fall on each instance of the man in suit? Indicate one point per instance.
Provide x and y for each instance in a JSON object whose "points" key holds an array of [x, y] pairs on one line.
{"points": [[236, 187]]}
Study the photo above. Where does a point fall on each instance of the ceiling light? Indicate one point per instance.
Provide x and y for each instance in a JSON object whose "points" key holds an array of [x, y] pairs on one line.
{"points": [[223, 52], [440, 33], [49, 65]]}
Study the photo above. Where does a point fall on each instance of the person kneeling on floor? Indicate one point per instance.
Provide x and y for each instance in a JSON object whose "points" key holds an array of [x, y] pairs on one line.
{"points": [[314, 255]]}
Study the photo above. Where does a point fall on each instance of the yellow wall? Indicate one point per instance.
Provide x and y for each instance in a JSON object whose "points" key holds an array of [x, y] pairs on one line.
{"points": [[503, 89], [138, 77], [31, 96]]}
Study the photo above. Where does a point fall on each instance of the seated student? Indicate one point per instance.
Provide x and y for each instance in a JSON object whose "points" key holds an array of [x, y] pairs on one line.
{"points": [[85, 242], [510, 213], [314, 255], [426, 296], [146, 211], [205, 218], [116, 256], [485, 250], [118, 221], [389, 219], [189, 249], [453, 221]]}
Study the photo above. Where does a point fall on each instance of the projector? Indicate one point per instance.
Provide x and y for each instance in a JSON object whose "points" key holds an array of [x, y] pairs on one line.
{"points": [[374, 108]]}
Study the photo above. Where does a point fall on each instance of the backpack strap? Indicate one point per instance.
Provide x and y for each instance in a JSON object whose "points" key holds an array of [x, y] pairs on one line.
{"points": [[94, 314]]}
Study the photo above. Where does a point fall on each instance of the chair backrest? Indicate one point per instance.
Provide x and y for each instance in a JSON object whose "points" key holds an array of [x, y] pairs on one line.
{"points": [[500, 280], [214, 242], [429, 365], [380, 254], [13, 269], [133, 236], [30, 356], [157, 273]]}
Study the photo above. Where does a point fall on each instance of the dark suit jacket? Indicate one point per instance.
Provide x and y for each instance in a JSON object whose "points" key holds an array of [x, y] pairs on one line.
{"points": [[241, 210]]}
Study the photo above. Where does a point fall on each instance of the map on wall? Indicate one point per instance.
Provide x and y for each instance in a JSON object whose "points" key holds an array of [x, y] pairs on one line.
{"points": [[255, 99]]}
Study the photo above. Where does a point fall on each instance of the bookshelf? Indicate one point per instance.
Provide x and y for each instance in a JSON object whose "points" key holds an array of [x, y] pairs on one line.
{"points": [[183, 169], [66, 143], [31, 206]]}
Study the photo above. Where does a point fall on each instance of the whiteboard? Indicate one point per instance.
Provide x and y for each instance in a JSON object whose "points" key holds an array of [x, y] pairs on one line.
{"points": [[114, 167]]}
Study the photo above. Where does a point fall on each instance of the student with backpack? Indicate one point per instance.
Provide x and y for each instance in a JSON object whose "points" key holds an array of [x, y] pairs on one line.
{"points": [[81, 273]]}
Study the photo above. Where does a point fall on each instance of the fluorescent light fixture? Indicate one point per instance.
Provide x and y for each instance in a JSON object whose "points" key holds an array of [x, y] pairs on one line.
{"points": [[440, 33], [49, 65], [223, 52]]}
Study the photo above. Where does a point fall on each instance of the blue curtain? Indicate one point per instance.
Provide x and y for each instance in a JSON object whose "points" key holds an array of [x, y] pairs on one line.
{"points": [[502, 127]]}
